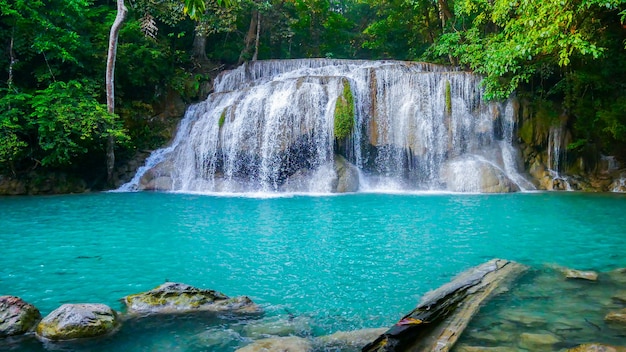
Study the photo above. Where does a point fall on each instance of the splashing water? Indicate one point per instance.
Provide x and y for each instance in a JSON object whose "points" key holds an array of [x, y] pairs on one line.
{"points": [[269, 127]]}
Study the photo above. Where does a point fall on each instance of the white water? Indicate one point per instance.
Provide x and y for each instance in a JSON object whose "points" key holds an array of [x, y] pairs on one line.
{"points": [[269, 128]]}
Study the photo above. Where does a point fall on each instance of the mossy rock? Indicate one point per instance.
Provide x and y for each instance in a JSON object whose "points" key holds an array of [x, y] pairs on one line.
{"points": [[75, 321], [344, 112], [172, 297], [17, 316]]}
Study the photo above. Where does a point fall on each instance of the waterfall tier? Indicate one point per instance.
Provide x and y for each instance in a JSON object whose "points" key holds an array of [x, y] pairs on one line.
{"points": [[270, 126]]}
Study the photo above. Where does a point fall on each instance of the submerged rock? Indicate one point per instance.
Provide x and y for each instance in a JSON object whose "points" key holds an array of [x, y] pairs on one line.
{"points": [[597, 347], [579, 274], [278, 327], [616, 317], [356, 339], [538, 342], [465, 348], [17, 316], [172, 297], [74, 321], [279, 344]]}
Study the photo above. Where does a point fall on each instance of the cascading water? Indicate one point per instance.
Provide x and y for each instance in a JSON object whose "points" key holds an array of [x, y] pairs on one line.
{"points": [[556, 156], [269, 127]]}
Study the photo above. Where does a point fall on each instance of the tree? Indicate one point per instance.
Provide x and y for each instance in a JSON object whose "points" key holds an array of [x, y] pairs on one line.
{"points": [[110, 86]]}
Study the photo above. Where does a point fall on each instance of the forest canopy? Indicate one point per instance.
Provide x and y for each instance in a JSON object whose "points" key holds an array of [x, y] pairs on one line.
{"points": [[565, 57]]}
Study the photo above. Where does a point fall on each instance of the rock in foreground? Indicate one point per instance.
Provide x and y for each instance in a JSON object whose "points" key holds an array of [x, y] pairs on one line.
{"points": [[597, 347], [16, 316], [279, 344], [74, 321], [172, 297]]}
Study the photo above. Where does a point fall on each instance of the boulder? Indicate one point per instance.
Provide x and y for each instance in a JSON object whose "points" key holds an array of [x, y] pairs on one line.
{"points": [[17, 316], [597, 347], [157, 178], [355, 339], [579, 274], [74, 321], [618, 317], [278, 326], [172, 297], [475, 175], [279, 344], [347, 176]]}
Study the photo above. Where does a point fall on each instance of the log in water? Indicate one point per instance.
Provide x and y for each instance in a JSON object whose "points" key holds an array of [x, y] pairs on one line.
{"points": [[438, 321]]}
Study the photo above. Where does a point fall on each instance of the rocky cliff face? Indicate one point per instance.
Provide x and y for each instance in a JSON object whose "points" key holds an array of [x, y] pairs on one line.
{"points": [[544, 140]]}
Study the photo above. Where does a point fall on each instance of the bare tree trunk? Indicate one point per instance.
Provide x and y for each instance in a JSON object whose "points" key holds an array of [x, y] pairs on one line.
{"points": [[444, 13], [110, 74], [12, 60], [250, 36], [258, 34]]}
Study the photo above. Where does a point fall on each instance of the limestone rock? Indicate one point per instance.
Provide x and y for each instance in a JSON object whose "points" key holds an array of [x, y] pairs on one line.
{"points": [[73, 321], [278, 327], [471, 175], [357, 338], [466, 348], [620, 297], [347, 176], [618, 276], [537, 342], [16, 316], [597, 347], [158, 178], [172, 297], [616, 317], [279, 344], [579, 274]]}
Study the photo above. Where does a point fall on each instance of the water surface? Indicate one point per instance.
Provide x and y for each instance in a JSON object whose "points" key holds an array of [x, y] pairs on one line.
{"points": [[335, 262]]}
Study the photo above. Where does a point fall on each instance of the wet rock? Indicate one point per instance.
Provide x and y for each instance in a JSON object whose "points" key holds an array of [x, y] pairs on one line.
{"points": [[618, 276], [73, 321], [597, 347], [470, 175], [172, 297], [216, 338], [524, 318], [537, 342], [17, 316], [620, 297], [579, 274], [618, 317], [278, 327], [279, 344], [356, 339], [466, 348], [347, 176], [157, 178]]}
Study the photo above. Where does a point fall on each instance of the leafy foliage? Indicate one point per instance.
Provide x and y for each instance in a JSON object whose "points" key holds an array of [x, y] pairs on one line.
{"points": [[344, 113]]}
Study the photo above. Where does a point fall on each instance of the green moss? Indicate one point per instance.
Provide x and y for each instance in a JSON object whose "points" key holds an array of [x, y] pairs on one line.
{"points": [[448, 98], [526, 132], [222, 119], [344, 112]]}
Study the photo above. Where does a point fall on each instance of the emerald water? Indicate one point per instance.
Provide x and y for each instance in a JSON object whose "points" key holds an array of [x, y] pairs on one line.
{"points": [[322, 263]]}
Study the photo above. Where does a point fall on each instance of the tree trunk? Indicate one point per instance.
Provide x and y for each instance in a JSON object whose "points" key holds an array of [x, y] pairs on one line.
{"points": [[12, 60], [258, 34], [250, 37], [110, 74], [198, 52], [444, 13]]}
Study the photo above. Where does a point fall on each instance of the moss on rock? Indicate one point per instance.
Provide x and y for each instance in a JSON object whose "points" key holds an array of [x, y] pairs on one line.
{"points": [[172, 297], [73, 321], [344, 112]]}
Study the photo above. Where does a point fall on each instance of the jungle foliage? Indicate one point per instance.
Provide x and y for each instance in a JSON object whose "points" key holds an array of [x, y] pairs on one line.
{"points": [[568, 55]]}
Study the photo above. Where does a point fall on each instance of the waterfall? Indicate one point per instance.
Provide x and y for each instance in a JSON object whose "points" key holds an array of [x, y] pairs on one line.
{"points": [[269, 127], [557, 155]]}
